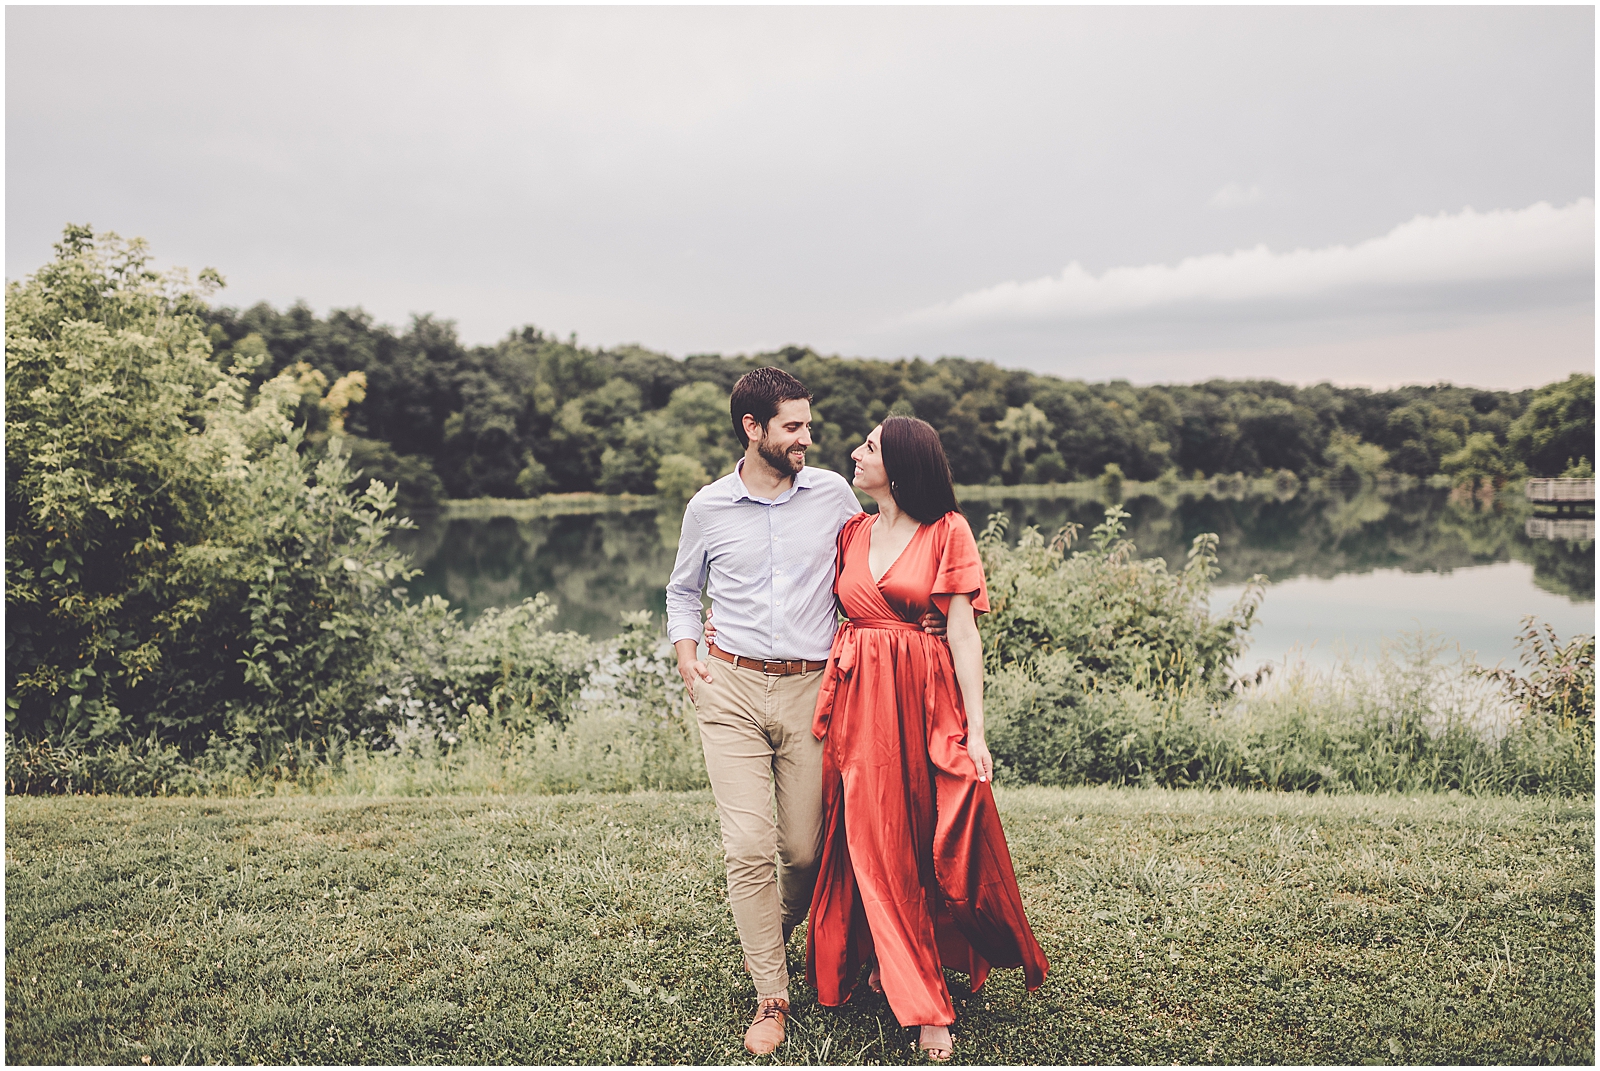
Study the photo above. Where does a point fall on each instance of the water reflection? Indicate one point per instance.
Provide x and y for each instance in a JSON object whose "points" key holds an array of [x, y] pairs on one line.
{"points": [[1332, 534], [596, 566]]}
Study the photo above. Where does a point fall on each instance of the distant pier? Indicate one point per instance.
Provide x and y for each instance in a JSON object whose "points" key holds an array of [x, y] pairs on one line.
{"points": [[1561, 493], [1559, 490]]}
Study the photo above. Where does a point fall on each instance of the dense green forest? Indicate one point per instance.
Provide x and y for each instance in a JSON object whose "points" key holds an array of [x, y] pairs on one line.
{"points": [[533, 414]]}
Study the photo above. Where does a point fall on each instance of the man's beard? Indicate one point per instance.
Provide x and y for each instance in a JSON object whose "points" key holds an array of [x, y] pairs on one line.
{"points": [[779, 460]]}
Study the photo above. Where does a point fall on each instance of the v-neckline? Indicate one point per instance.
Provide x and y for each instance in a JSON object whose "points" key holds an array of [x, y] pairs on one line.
{"points": [[877, 582]]}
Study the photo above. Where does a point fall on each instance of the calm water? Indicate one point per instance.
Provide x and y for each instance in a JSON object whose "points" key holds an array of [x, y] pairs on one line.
{"points": [[1346, 568]]}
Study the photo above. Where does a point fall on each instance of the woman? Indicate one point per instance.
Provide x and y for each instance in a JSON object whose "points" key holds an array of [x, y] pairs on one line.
{"points": [[914, 869]]}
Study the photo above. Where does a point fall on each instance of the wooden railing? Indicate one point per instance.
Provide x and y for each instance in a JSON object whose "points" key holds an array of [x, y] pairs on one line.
{"points": [[1560, 490]]}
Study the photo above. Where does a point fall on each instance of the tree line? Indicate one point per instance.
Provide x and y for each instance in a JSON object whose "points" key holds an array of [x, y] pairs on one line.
{"points": [[534, 414]]}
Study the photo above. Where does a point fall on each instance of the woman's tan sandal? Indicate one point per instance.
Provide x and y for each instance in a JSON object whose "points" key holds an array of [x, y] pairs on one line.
{"points": [[938, 1050]]}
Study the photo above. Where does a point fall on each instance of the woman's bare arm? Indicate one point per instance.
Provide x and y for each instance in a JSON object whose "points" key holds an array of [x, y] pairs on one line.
{"points": [[966, 650]]}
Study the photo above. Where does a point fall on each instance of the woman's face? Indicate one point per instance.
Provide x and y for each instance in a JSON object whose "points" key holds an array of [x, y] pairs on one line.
{"points": [[868, 457]]}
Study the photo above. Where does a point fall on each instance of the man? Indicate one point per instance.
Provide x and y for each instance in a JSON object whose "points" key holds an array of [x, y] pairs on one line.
{"points": [[762, 540]]}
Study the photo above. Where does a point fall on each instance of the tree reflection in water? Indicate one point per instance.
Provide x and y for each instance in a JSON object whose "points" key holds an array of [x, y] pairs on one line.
{"points": [[598, 566]]}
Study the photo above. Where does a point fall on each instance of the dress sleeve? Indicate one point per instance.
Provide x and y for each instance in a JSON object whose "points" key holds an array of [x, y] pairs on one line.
{"points": [[960, 567], [841, 547]]}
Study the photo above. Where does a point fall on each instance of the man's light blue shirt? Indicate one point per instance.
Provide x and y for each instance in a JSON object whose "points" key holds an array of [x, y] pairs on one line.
{"points": [[767, 565]]}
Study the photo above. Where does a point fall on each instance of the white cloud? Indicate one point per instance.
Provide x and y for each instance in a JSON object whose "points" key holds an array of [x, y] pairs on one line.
{"points": [[1235, 195], [1429, 258]]}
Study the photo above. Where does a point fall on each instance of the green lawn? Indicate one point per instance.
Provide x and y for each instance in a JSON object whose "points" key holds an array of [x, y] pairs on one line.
{"points": [[1182, 927]]}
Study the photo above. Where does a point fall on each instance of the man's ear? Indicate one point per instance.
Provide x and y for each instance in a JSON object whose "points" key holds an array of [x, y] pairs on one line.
{"points": [[753, 428]]}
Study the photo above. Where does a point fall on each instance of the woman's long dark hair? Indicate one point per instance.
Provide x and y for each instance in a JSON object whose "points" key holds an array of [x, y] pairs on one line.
{"points": [[919, 473]]}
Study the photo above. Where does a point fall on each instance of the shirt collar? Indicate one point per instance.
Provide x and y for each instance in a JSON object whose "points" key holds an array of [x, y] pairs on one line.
{"points": [[803, 479]]}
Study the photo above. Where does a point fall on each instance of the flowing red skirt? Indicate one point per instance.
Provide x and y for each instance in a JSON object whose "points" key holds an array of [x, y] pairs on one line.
{"points": [[914, 863]]}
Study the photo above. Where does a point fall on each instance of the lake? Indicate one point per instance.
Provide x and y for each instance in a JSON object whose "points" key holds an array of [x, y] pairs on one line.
{"points": [[1347, 567]]}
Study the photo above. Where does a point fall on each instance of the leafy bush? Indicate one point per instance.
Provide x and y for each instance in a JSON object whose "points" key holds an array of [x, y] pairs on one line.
{"points": [[1550, 746], [1104, 669], [1103, 617], [1412, 719], [501, 706], [430, 670], [1067, 631], [629, 727], [178, 564], [108, 504]]}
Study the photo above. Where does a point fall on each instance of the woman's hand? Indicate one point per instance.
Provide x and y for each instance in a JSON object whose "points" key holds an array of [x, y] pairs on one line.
{"points": [[711, 630], [978, 751]]}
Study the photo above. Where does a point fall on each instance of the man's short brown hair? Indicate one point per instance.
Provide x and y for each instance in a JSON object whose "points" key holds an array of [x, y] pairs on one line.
{"points": [[759, 392]]}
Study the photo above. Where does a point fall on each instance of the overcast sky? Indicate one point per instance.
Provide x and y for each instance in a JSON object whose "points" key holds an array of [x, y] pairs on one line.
{"points": [[1367, 195]]}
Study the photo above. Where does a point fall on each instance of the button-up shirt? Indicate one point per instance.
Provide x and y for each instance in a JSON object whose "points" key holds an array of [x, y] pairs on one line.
{"points": [[766, 563]]}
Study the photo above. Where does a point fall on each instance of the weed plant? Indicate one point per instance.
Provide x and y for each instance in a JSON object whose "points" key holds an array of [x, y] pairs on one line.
{"points": [[1412, 719], [1107, 669]]}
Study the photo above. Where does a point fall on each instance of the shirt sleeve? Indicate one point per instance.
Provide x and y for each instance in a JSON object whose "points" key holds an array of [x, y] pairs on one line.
{"points": [[960, 567], [688, 577], [848, 506]]}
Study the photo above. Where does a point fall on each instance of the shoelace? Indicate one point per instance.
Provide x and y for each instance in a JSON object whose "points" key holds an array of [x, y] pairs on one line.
{"points": [[770, 1009]]}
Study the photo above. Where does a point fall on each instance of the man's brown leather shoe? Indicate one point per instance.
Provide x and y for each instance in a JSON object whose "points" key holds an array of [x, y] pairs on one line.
{"points": [[766, 1033]]}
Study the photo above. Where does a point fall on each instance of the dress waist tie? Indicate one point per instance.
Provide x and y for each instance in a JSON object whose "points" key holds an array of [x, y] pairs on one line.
{"points": [[842, 664]]}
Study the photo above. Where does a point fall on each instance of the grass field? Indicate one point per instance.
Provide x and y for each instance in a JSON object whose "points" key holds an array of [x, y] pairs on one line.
{"points": [[1181, 926]]}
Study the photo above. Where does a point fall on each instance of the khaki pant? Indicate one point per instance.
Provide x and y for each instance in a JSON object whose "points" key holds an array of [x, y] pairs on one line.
{"points": [[756, 731]]}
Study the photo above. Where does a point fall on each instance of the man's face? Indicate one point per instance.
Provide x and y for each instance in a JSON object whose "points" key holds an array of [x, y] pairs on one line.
{"points": [[786, 438]]}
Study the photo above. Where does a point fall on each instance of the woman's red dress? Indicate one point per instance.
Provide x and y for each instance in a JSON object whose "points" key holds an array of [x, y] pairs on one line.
{"points": [[914, 864]]}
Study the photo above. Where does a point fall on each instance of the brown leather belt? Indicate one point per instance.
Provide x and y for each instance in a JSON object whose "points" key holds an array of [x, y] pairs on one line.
{"points": [[772, 667]]}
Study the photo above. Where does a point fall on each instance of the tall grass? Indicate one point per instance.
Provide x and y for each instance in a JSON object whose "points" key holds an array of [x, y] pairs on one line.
{"points": [[1410, 718], [1415, 716], [631, 728]]}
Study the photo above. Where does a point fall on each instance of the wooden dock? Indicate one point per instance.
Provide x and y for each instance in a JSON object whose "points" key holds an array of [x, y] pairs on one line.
{"points": [[1559, 492]]}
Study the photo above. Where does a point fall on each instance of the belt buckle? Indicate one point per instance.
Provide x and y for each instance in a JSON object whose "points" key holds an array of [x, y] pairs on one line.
{"points": [[768, 663]]}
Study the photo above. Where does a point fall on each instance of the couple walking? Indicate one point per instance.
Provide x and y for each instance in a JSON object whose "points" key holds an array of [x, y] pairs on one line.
{"points": [[847, 761]]}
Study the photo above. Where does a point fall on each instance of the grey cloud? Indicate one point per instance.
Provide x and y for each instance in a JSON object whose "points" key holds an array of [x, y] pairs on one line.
{"points": [[726, 178], [1424, 263]]}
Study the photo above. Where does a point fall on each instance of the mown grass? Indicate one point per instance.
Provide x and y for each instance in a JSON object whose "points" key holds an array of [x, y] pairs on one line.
{"points": [[1182, 926]]}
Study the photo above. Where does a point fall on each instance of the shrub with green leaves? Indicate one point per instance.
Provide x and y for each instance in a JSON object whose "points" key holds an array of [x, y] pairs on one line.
{"points": [[1068, 628], [177, 564], [430, 670], [108, 503], [1550, 746], [1108, 616], [504, 706]]}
